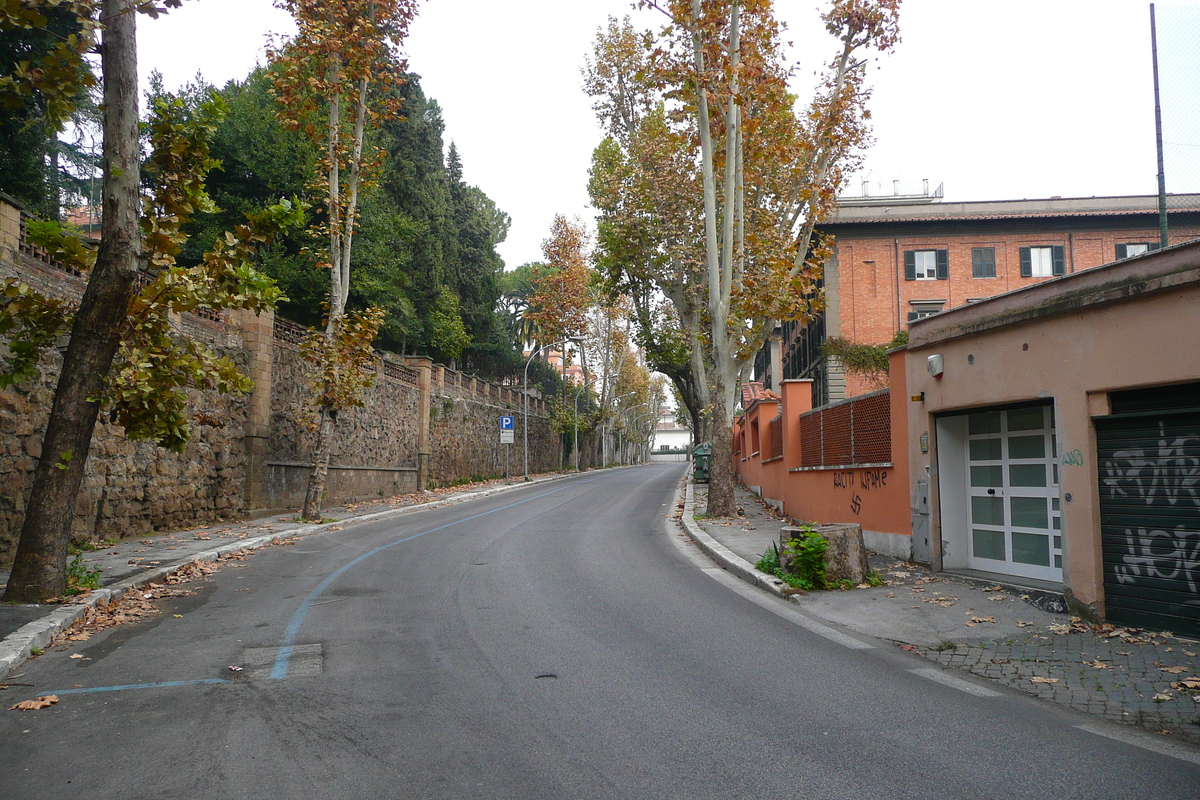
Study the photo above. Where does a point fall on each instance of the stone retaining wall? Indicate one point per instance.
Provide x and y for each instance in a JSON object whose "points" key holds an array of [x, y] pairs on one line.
{"points": [[421, 425]]}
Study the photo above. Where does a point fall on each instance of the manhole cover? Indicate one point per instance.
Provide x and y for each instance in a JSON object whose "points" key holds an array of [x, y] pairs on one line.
{"points": [[257, 662]]}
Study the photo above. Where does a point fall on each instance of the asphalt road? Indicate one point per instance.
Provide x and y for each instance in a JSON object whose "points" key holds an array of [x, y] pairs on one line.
{"points": [[560, 641]]}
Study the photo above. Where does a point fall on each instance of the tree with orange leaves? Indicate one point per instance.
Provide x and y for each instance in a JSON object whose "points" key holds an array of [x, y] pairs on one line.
{"points": [[343, 49], [562, 286], [715, 182]]}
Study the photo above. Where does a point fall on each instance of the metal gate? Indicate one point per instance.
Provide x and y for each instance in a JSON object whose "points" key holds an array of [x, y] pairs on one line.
{"points": [[1148, 452]]}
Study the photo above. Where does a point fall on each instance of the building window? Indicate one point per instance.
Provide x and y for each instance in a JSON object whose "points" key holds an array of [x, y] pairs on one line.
{"points": [[1042, 262], [1131, 249], [926, 265], [983, 262], [925, 308]]}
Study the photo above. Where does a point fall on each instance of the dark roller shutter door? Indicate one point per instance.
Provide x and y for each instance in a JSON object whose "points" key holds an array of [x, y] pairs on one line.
{"points": [[1148, 455]]}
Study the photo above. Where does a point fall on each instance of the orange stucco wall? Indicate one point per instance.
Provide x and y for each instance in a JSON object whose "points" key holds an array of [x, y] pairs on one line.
{"points": [[1134, 325], [875, 496]]}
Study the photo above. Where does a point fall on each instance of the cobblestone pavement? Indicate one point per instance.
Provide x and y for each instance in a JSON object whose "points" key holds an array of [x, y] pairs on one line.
{"points": [[1124, 675], [1012, 635]]}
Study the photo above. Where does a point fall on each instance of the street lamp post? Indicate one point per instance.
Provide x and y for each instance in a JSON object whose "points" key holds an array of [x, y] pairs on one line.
{"points": [[575, 409], [525, 424]]}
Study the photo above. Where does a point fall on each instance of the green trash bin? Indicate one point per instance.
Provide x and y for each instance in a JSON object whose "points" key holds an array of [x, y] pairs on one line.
{"points": [[701, 455]]}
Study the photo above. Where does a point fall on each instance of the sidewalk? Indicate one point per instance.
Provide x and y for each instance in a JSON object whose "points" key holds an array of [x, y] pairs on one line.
{"points": [[993, 631], [138, 561]]}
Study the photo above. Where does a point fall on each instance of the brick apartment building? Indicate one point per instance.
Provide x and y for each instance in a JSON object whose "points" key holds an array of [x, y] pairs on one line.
{"points": [[901, 258]]}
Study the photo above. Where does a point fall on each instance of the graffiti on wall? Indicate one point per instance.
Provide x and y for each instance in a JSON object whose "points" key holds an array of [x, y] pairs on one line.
{"points": [[1169, 475], [856, 481]]}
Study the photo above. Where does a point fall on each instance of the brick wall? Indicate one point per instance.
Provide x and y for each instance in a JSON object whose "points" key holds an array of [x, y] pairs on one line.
{"points": [[875, 299]]}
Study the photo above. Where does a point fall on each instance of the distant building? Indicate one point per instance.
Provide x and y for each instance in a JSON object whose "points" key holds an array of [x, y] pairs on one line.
{"points": [[573, 373], [669, 434]]}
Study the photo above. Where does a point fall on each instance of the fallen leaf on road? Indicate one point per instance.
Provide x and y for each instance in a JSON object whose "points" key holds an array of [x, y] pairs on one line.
{"points": [[890, 594], [1162, 697], [76, 655], [983, 619], [1040, 679], [1187, 683], [1174, 670], [1024, 624], [992, 588], [910, 648], [1189, 654], [999, 597], [45, 701], [1098, 664], [999, 660], [1124, 652]]}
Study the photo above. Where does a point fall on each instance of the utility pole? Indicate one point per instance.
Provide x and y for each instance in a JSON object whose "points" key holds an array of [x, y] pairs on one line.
{"points": [[1158, 137]]}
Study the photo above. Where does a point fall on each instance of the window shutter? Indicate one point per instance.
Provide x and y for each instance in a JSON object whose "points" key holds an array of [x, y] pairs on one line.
{"points": [[913, 316], [910, 265], [943, 264], [977, 262], [1060, 261], [1026, 263], [1122, 252]]}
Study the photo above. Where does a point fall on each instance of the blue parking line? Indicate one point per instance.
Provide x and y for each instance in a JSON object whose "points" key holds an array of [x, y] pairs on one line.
{"points": [[293, 628], [127, 686]]}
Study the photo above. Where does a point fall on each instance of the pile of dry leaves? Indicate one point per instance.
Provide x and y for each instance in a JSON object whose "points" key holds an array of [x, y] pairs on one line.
{"points": [[139, 603]]}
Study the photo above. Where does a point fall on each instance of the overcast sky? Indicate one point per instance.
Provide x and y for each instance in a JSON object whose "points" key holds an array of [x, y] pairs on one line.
{"points": [[998, 100]]}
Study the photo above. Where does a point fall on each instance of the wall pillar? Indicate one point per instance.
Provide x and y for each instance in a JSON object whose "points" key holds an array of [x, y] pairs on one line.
{"points": [[424, 368], [258, 340], [796, 399], [10, 228]]}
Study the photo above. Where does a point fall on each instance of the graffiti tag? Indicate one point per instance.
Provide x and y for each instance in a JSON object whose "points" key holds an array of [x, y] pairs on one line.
{"points": [[1072, 458], [1170, 473]]}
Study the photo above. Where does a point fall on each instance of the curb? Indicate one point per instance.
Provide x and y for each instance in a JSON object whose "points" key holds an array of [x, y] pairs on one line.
{"points": [[725, 557], [18, 646]]}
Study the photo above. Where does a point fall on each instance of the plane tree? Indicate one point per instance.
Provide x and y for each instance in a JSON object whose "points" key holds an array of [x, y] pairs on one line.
{"points": [[716, 177]]}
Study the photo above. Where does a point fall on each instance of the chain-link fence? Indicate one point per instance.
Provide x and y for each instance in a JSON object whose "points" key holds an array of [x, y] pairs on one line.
{"points": [[1178, 35]]}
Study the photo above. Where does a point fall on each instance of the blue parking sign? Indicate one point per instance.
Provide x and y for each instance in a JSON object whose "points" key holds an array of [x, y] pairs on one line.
{"points": [[506, 423]]}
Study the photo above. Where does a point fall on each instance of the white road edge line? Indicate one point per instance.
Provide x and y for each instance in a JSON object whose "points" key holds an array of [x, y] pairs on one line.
{"points": [[1145, 741], [775, 606], [954, 682]]}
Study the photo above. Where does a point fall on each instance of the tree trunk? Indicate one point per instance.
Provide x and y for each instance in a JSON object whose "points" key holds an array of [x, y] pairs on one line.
{"points": [[721, 475], [314, 497], [39, 571]]}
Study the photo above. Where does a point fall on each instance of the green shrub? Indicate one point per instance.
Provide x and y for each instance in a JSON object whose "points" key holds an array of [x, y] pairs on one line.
{"points": [[80, 578], [807, 568], [807, 553]]}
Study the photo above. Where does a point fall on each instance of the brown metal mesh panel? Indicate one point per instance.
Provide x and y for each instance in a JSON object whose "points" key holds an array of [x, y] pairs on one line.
{"points": [[873, 430], [855, 432], [776, 430], [839, 448], [810, 439]]}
